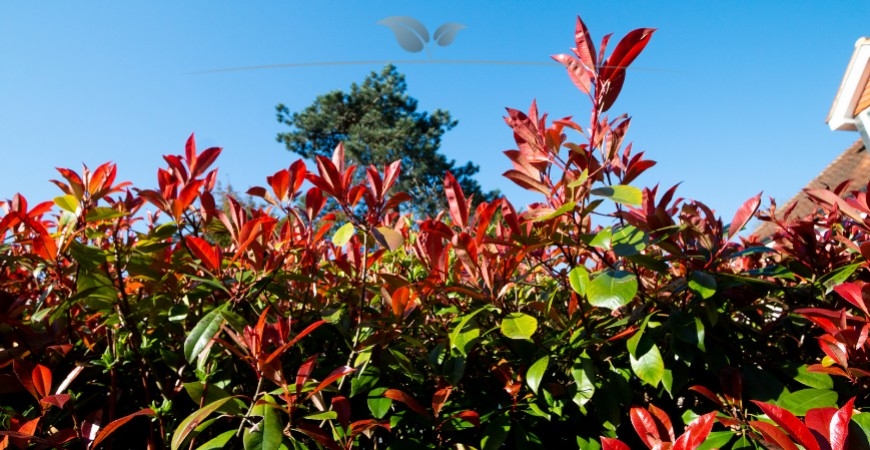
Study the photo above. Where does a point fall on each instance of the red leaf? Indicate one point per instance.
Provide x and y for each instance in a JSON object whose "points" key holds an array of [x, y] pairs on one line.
{"points": [[280, 183], [613, 444], [341, 406], [205, 252], [696, 433], [663, 422], [409, 401], [577, 71], [456, 201], [55, 400], [852, 293], [773, 435], [469, 416], [115, 424], [204, 160], [293, 341], [645, 426], [190, 151], [585, 49], [338, 157], [743, 214], [304, 372], [336, 374], [185, 198], [628, 48], [839, 431], [391, 174], [439, 399], [791, 424]]}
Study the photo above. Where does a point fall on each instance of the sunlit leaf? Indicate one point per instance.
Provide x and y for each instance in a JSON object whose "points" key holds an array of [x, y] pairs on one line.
{"points": [[612, 289], [204, 331], [343, 235], [518, 326], [536, 373], [620, 193]]}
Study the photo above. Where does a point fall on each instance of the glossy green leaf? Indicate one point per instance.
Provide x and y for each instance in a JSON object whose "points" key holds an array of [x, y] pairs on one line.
{"points": [[567, 207], [620, 193], [689, 329], [716, 440], [103, 213], [612, 289], [67, 203], [583, 372], [495, 434], [268, 433], [218, 442], [193, 420], [646, 360], [536, 373], [579, 278], [343, 235], [518, 326], [813, 379], [799, 402], [602, 239], [463, 334], [628, 241], [204, 331], [322, 415], [213, 394], [702, 283], [377, 403]]}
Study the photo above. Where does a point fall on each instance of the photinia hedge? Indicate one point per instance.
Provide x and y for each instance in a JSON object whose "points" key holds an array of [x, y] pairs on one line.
{"points": [[603, 315]]}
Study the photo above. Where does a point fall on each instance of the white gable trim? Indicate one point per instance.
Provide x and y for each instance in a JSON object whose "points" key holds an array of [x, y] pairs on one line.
{"points": [[857, 73]]}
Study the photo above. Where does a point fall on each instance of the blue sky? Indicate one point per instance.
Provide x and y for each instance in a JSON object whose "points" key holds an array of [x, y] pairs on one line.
{"points": [[729, 97]]}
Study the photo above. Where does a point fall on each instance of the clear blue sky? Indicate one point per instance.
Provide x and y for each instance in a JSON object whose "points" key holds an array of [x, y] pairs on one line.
{"points": [[729, 97]]}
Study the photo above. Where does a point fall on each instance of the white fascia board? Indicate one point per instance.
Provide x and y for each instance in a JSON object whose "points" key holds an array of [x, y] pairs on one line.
{"points": [[856, 76]]}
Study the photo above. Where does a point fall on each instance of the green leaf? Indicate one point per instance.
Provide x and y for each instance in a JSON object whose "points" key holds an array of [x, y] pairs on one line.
{"points": [[602, 239], [193, 420], [378, 404], [343, 235], [496, 433], [702, 283], [460, 335], [322, 415], [583, 372], [799, 402], [579, 278], [620, 193], [813, 379], [628, 241], [219, 442], [268, 433], [207, 328], [67, 203], [580, 180], [716, 440], [689, 329], [213, 394], [103, 213], [237, 322], [536, 373], [518, 326], [612, 289], [562, 210], [646, 360]]}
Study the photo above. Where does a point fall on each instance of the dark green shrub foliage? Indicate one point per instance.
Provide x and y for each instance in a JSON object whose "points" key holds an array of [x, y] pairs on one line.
{"points": [[290, 327]]}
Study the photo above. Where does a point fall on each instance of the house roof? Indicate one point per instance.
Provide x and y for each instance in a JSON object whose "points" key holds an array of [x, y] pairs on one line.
{"points": [[853, 164]]}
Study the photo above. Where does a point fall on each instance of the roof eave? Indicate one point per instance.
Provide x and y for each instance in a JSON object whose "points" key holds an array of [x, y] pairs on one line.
{"points": [[840, 116]]}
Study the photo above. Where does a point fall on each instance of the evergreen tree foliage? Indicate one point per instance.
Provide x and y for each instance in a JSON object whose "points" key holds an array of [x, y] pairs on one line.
{"points": [[379, 123]]}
